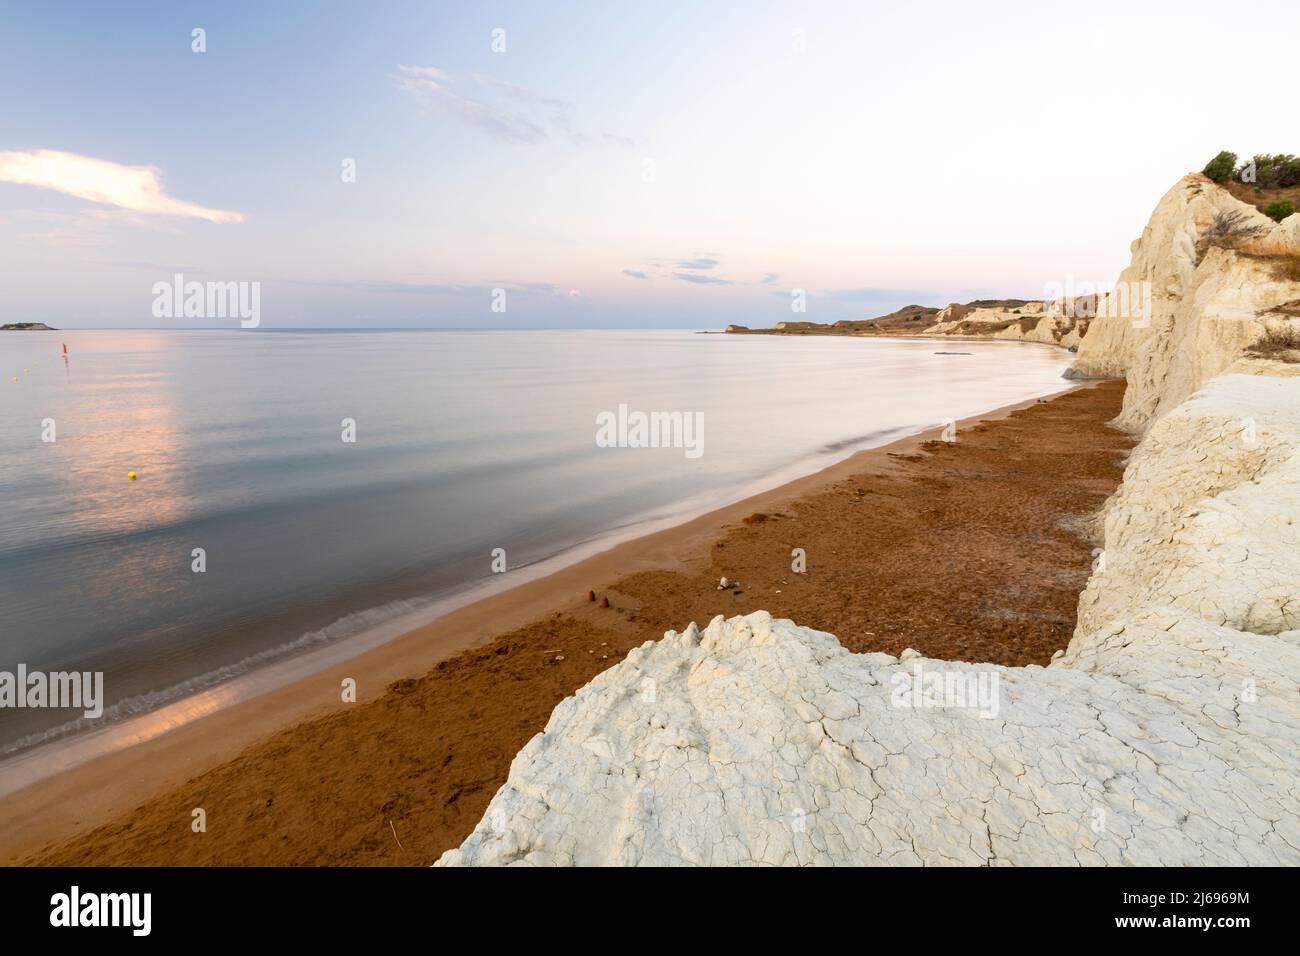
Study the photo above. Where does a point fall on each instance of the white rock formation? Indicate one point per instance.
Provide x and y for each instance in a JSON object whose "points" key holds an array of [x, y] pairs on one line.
{"points": [[1054, 328], [1049, 323], [1207, 519], [1202, 312], [1167, 733]]}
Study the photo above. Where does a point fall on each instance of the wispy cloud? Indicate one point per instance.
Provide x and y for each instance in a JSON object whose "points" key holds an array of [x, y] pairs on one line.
{"points": [[502, 110], [701, 279], [138, 189], [770, 278], [692, 269]]}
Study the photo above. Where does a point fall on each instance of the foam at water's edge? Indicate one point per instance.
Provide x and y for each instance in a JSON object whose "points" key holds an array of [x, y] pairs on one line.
{"points": [[351, 625]]}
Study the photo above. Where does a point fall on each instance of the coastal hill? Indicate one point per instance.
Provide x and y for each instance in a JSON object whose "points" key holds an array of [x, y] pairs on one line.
{"points": [[1167, 732], [910, 318], [26, 327], [1063, 322]]}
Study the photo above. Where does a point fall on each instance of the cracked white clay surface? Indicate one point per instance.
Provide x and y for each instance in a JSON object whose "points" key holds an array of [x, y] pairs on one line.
{"points": [[1169, 733]]}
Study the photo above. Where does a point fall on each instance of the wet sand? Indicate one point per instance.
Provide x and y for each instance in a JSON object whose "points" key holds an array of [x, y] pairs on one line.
{"points": [[972, 551]]}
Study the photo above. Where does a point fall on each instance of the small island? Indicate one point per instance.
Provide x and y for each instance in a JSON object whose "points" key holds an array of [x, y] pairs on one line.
{"points": [[26, 327]]}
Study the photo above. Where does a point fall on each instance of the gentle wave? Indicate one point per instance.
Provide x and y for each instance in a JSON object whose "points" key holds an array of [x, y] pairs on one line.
{"points": [[345, 627]]}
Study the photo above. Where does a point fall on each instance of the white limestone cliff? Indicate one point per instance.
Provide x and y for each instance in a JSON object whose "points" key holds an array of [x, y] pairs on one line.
{"points": [[1182, 314], [1062, 321], [1047, 323], [1168, 732]]}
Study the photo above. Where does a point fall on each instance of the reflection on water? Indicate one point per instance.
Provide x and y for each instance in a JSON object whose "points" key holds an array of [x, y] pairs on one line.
{"points": [[466, 442], [127, 426]]}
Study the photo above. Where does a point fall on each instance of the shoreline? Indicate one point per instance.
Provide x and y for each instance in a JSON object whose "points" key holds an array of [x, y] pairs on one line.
{"points": [[327, 632], [73, 800], [61, 749]]}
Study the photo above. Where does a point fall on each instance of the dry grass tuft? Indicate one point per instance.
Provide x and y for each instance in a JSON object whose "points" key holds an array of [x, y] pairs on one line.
{"points": [[1291, 308], [1230, 230], [1286, 265], [1261, 198], [1283, 260], [1280, 343]]}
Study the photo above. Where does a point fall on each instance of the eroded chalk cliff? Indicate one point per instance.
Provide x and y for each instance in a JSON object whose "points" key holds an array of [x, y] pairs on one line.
{"points": [[1185, 310]]}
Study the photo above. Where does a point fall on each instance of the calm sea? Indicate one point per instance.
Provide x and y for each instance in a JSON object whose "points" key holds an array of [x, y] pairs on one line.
{"points": [[465, 442]]}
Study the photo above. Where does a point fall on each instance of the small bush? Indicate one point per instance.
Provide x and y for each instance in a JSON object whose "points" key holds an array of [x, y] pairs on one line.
{"points": [[1263, 170], [1279, 343], [1228, 231], [1221, 167], [1279, 210], [1291, 308], [1280, 171]]}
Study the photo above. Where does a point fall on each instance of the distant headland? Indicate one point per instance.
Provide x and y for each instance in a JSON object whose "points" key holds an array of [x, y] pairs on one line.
{"points": [[26, 327]]}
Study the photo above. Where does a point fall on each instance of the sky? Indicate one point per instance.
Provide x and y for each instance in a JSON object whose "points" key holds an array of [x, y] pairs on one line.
{"points": [[607, 165]]}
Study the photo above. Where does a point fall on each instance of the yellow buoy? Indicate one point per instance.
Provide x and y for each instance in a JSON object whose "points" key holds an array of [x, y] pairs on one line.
{"points": [[132, 475]]}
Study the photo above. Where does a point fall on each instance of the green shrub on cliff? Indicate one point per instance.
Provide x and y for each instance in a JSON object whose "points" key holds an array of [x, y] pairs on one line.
{"points": [[1280, 210], [1263, 170], [1221, 167], [1274, 172]]}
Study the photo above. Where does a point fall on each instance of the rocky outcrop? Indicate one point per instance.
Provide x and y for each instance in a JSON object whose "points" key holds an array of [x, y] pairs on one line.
{"points": [[1168, 732], [1059, 322], [954, 312], [1049, 323], [1182, 313], [1206, 524]]}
